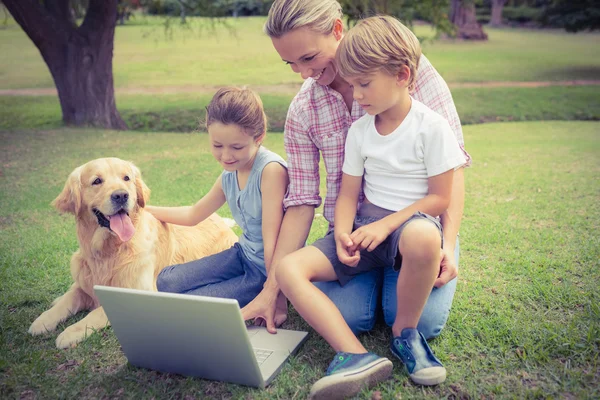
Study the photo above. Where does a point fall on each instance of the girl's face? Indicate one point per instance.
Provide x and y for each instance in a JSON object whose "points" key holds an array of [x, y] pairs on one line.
{"points": [[311, 54], [232, 147]]}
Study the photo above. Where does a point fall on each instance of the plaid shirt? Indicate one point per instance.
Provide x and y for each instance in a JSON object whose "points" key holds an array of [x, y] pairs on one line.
{"points": [[318, 122]]}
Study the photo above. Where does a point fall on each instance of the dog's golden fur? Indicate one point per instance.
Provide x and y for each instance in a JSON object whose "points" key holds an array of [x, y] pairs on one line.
{"points": [[107, 258]]}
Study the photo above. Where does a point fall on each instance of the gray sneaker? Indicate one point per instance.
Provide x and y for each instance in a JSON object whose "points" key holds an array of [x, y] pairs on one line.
{"points": [[412, 349], [348, 373]]}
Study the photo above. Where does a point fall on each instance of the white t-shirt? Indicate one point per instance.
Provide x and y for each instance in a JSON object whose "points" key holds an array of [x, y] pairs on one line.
{"points": [[396, 166]]}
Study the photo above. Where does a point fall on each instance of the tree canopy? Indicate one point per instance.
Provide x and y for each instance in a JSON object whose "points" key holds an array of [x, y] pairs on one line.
{"points": [[573, 15]]}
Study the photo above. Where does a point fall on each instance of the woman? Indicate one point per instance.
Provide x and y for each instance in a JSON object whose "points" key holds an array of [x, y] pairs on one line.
{"points": [[306, 34]]}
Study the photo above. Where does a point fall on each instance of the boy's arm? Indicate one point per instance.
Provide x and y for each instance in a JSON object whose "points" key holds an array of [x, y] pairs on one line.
{"points": [[437, 200], [345, 211], [192, 215]]}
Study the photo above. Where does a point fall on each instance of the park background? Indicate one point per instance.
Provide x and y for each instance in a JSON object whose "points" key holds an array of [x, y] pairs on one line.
{"points": [[525, 322]]}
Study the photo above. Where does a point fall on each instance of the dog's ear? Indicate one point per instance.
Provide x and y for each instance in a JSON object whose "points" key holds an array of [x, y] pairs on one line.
{"points": [[142, 191], [69, 200]]}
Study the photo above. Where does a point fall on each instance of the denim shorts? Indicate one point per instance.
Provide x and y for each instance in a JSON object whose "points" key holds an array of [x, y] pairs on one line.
{"points": [[384, 255]]}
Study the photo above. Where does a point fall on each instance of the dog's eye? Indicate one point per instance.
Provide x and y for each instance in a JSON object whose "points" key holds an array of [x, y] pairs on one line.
{"points": [[126, 178], [97, 181]]}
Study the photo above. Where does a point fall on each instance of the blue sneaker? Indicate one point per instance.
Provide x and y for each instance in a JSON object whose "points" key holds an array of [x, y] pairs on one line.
{"points": [[349, 373], [412, 349]]}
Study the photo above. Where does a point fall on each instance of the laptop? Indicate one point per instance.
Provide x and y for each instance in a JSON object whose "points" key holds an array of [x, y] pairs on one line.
{"points": [[197, 336]]}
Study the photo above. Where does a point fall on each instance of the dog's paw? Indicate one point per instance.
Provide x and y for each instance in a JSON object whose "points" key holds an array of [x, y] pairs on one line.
{"points": [[44, 323], [70, 337]]}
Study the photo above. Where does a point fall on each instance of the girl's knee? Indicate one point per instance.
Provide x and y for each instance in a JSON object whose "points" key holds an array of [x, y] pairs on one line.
{"points": [[287, 271], [163, 281]]}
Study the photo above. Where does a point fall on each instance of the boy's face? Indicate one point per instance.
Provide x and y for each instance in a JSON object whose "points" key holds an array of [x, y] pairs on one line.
{"points": [[309, 53], [378, 92]]}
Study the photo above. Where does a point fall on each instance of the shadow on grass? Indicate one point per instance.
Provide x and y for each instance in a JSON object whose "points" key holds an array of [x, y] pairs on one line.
{"points": [[588, 72]]}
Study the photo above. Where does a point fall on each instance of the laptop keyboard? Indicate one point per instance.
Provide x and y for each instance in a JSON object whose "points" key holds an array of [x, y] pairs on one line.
{"points": [[262, 355]]}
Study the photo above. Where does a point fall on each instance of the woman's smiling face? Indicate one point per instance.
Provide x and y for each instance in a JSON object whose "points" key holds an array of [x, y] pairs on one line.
{"points": [[309, 53]]}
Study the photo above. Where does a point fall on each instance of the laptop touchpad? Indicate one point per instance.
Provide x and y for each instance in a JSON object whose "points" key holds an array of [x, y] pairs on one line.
{"points": [[252, 331]]}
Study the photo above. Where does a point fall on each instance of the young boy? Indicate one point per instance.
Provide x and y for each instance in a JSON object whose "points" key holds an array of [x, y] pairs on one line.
{"points": [[406, 154]]}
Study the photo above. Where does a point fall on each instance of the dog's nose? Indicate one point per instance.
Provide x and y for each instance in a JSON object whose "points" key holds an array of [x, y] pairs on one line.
{"points": [[119, 197]]}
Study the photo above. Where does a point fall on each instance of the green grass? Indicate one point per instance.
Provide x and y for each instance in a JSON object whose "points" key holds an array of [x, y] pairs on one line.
{"points": [[525, 321], [239, 53], [182, 112]]}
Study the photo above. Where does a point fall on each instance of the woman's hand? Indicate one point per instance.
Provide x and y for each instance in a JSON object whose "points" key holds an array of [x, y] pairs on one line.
{"points": [[448, 269]]}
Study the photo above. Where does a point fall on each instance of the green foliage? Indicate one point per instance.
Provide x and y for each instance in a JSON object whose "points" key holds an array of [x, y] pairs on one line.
{"points": [[573, 15], [522, 14], [519, 15], [205, 8], [407, 11]]}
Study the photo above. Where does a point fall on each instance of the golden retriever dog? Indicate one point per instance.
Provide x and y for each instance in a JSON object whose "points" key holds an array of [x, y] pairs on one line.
{"points": [[119, 243]]}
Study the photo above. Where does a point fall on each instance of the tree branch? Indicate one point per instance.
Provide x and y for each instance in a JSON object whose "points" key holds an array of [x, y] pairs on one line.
{"points": [[61, 10], [100, 15], [42, 27]]}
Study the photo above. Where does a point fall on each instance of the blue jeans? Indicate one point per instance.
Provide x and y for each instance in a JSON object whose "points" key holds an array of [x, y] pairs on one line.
{"points": [[228, 274], [358, 300]]}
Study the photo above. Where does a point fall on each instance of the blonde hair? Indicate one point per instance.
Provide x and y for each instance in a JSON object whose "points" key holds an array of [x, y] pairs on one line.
{"points": [[287, 15], [239, 106], [379, 43]]}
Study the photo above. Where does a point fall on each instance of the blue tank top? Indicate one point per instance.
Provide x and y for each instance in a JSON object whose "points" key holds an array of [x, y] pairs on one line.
{"points": [[246, 206]]}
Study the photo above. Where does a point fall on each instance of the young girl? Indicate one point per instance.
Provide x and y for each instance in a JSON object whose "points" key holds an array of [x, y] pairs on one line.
{"points": [[253, 183]]}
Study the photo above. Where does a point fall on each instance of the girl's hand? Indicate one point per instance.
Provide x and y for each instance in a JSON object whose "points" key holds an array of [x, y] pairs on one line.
{"points": [[268, 309], [370, 236], [346, 250]]}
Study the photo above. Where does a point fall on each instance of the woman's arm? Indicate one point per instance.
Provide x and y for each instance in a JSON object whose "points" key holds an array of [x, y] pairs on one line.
{"points": [[452, 216], [274, 183], [192, 215], [450, 220]]}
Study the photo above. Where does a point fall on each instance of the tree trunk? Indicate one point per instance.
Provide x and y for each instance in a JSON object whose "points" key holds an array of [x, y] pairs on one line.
{"points": [[181, 11], [497, 7], [462, 15], [79, 58]]}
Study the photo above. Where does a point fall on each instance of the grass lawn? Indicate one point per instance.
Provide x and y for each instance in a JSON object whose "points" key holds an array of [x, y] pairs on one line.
{"points": [[526, 317], [239, 53], [182, 112]]}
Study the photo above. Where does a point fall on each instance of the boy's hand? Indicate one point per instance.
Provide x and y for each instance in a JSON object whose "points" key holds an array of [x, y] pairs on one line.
{"points": [[370, 236], [347, 251]]}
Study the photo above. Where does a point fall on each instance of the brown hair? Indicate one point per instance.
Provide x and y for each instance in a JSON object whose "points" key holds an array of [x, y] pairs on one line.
{"points": [[239, 106], [379, 43]]}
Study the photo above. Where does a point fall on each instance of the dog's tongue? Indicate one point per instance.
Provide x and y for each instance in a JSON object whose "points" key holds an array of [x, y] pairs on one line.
{"points": [[121, 225]]}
